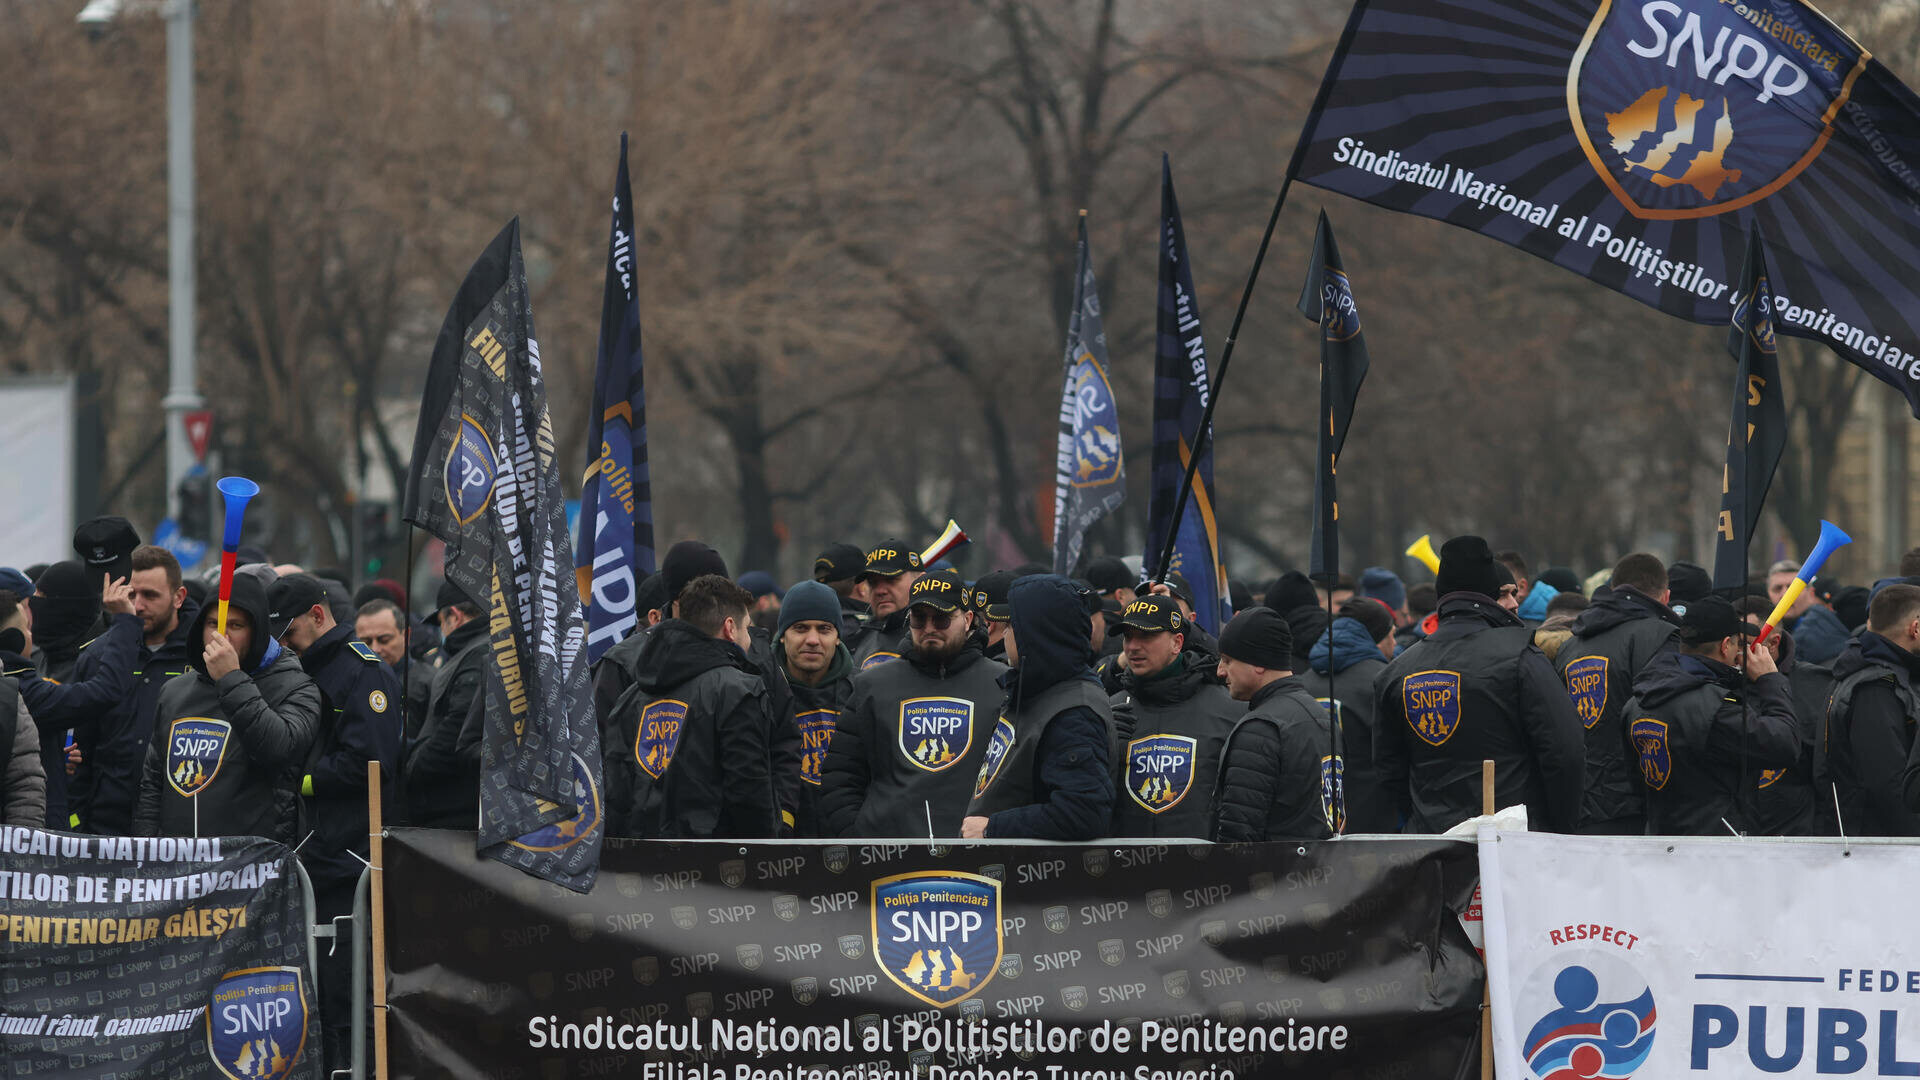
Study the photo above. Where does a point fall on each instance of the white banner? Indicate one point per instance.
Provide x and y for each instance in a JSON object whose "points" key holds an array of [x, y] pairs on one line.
{"points": [[1613, 957], [37, 439]]}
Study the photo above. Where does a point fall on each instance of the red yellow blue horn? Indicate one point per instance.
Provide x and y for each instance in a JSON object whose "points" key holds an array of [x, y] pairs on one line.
{"points": [[235, 491], [1831, 539]]}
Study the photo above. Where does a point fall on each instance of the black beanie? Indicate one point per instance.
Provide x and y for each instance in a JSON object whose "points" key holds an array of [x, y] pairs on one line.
{"points": [[1258, 636], [1293, 590], [1466, 565], [687, 560], [66, 606], [1688, 582]]}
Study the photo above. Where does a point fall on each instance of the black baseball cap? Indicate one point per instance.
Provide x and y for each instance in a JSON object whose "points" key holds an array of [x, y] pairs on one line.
{"points": [[444, 597], [1710, 619], [891, 559], [1153, 614], [840, 562], [106, 545], [290, 597], [941, 590], [990, 595]]}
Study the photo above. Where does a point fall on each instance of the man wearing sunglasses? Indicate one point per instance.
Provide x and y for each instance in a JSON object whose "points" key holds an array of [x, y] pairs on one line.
{"points": [[907, 747]]}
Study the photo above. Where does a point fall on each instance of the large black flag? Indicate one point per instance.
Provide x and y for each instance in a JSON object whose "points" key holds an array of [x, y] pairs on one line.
{"points": [[1091, 475], [1180, 388], [1758, 432], [486, 481], [1327, 298], [1633, 141]]}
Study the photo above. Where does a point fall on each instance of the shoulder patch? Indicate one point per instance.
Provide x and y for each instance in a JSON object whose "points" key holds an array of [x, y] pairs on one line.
{"points": [[363, 650]]}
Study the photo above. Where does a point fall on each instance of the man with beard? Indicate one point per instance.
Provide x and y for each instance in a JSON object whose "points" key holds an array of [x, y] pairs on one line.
{"points": [[114, 743], [1172, 714], [904, 755], [1476, 688], [891, 570], [820, 672], [991, 610]]}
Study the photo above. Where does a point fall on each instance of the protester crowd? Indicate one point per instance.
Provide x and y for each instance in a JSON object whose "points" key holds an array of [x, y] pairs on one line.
{"points": [[886, 698]]}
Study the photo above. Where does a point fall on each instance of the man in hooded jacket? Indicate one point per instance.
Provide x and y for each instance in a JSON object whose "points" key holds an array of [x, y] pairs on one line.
{"points": [[1872, 717], [1475, 688], [692, 759], [1048, 774], [440, 776], [67, 675], [1613, 641], [1703, 729], [230, 736], [910, 743], [819, 671], [1344, 664], [1172, 715]]}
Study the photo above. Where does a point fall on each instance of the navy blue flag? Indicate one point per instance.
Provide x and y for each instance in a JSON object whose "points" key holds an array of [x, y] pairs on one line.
{"points": [[1634, 141], [1090, 478], [1181, 384], [615, 549], [1757, 435], [486, 481], [1327, 299]]}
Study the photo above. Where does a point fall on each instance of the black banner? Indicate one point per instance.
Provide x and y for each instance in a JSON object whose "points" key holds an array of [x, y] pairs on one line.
{"points": [[1634, 142], [803, 961], [138, 957]]}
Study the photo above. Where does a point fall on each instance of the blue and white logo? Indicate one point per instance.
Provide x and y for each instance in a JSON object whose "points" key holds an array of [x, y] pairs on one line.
{"points": [[1432, 702], [196, 745], [1649, 738], [997, 746], [1587, 686], [1096, 424], [816, 731], [471, 471], [1598, 1022], [1160, 771], [937, 935], [257, 1023], [935, 732]]}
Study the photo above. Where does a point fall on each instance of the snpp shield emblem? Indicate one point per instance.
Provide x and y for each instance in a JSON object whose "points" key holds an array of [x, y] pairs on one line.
{"points": [[1587, 686], [805, 989], [997, 746], [1056, 918], [470, 473], [1113, 952], [786, 906], [1074, 997], [749, 956], [935, 732], [1432, 702], [1010, 966], [659, 735], [1688, 110], [685, 917], [816, 731], [1160, 771], [852, 946], [937, 935], [1649, 738], [196, 745], [733, 873], [257, 1023]]}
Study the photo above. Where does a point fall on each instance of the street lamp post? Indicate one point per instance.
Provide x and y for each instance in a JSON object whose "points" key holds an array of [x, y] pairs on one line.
{"points": [[183, 395]]}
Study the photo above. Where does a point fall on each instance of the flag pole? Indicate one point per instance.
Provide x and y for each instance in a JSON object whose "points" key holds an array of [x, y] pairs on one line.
{"points": [[377, 903], [1205, 434]]}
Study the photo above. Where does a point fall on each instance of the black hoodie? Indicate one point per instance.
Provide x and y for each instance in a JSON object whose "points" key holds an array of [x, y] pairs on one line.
{"points": [[1048, 772], [690, 756], [1870, 737], [1702, 735], [1613, 641], [233, 749]]}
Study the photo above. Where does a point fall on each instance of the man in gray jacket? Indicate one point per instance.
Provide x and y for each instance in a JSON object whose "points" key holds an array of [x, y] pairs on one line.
{"points": [[231, 735]]}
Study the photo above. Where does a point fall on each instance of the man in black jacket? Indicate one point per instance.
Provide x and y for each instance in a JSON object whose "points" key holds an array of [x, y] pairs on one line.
{"points": [[1345, 662], [1613, 641], [1172, 715], [1279, 778], [360, 721], [1048, 769], [114, 742], [1476, 688], [1871, 719], [1703, 731], [689, 756], [838, 568], [819, 671], [440, 777], [67, 681], [910, 743], [230, 736], [891, 570]]}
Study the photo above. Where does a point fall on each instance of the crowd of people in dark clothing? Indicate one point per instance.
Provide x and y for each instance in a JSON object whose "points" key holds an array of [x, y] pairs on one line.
{"points": [[884, 698]]}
